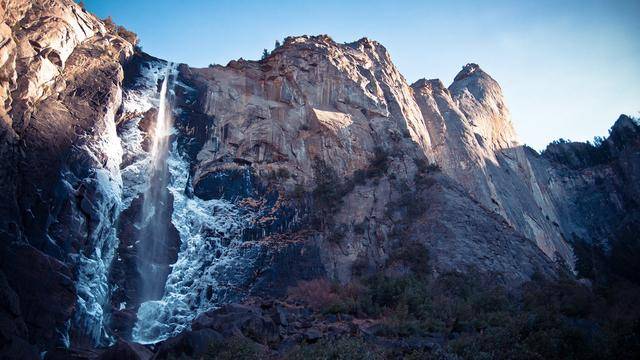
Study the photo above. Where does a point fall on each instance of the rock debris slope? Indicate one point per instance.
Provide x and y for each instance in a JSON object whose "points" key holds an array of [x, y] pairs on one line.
{"points": [[318, 161]]}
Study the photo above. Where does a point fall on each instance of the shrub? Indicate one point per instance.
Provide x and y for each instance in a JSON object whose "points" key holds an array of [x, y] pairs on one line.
{"points": [[360, 228], [421, 164], [379, 164], [283, 173], [479, 319], [299, 191], [317, 293], [323, 296], [336, 234], [424, 166], [414, 255], [408, 204], [349, 348], [121, 31], [327, 192], [126, 34], [433, 168], [234, 348], [359, 177]]}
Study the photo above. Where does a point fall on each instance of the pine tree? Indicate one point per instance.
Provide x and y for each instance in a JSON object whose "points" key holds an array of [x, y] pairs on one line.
{"points": [[265, 54]]}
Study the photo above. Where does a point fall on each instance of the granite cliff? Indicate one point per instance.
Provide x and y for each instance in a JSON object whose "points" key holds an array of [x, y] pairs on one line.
{"points": [[319, 161]]}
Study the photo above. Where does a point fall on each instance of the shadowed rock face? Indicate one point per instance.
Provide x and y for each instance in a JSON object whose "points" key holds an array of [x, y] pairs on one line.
{"points": [[314, 162], [60, 76], [594, 188]]}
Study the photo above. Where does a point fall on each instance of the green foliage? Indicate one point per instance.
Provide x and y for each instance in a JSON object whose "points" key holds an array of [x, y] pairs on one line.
{"points": [[477, 317], [624, 260], [326, 297], [299, 191], [622, 139], [234, 348], [337, 233], [328, 193], [348, 348], [414, 255], [379, 164], [283, 173], [265, 54], [359, 177], [360, 228], [580, 155], [426, 167], [620, 263], [406, 209], [121, 31]]}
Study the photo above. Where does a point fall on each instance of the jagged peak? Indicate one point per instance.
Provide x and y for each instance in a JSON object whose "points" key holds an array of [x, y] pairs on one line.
{"points": [[303, 39], [428, 84], [625, 123], [467, 71], [326, 40], [475, 80], [367, 43]]}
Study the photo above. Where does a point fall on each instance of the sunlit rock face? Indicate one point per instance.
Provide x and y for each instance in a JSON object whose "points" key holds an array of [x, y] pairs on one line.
{"points": [[314, 100], [311, 98], [474, 141]]}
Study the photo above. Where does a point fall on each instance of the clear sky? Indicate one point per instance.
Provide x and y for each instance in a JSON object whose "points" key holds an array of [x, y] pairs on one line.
{"points": [[568, 68]]}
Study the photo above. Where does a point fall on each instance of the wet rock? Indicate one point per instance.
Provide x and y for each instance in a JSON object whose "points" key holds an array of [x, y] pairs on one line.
{"points": [[191, 344], [312, 335], [125, 350], [47, 307], [235, 320], [122, 322], [63, 353], [225, 184]]}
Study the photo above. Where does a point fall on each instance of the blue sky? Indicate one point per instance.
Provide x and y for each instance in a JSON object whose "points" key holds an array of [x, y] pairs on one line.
{"points": [[568, 69]]}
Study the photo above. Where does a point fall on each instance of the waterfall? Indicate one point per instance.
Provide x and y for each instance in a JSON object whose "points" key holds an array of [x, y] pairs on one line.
{"points": [[154, 243], [209, 266]]}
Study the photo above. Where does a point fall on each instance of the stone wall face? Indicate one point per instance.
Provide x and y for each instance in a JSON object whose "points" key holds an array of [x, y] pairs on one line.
{"points": [[60, 91], [318, 161]]}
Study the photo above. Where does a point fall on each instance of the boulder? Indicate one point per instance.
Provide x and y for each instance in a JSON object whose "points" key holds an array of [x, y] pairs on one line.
{"points": [[239, 320]]}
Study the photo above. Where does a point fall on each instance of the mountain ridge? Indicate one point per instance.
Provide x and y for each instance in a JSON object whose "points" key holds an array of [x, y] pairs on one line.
{"points": [[319, 161]]}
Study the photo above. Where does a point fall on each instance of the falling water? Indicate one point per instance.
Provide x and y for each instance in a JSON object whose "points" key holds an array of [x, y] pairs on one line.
{"points": [[155, 243]]}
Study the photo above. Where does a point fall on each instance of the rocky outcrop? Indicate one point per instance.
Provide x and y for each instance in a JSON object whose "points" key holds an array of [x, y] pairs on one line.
{"points": [[310, 99], [594, 187], [313, 102], [475, 143]]}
